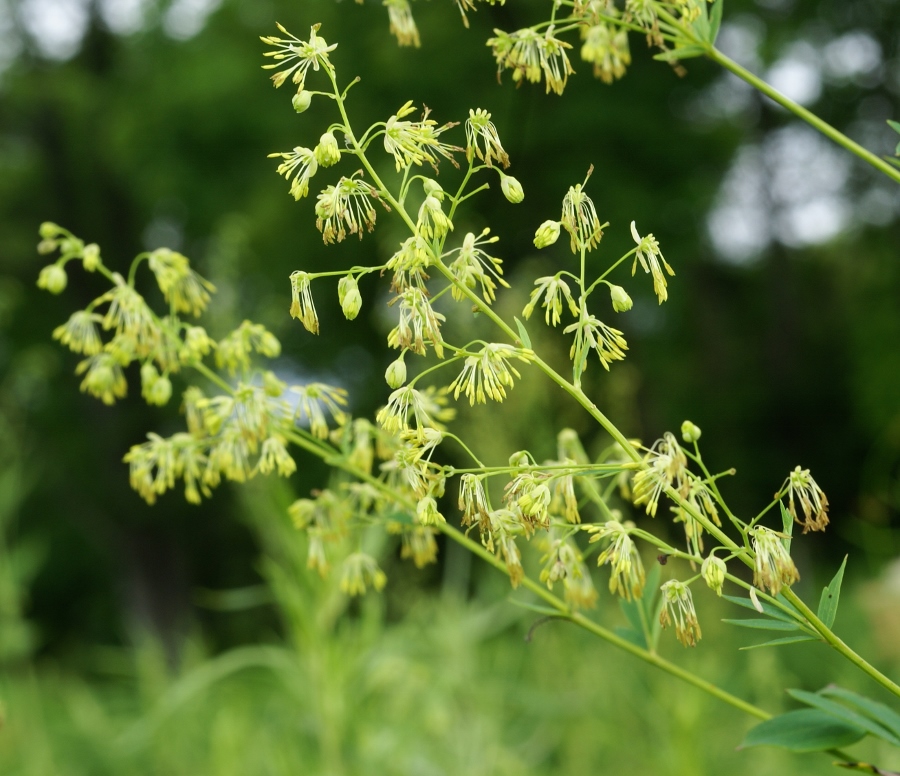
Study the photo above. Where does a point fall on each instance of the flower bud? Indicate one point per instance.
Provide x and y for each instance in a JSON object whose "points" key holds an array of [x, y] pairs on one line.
{"points": [[433, 189], [690, 432], [301, 100], [48, 230], [547, 234], [53, 278], [272, 385], [90, 256], [621, 302], [160, 392], [511, 188], [327, 152], [519, 459], [713, 572], [395, 376], [349, 297]]}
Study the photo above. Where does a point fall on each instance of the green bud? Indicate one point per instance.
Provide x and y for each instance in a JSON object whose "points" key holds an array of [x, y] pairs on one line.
{"points": [[395, 376], [272, 385], [160, 392], [327, 152], [91, 257], [433, 189], [511, 188], [713, 573], [547, 234], [53, 278], [46, 246], [519, 459], [48, 230], [301, 100], [690, 432], [621, 302], [349, 297]]}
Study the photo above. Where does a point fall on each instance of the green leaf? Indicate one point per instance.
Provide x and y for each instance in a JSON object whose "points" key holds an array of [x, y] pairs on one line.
{"points": [[780, 642], [684, 52], [848, 716], [632, 611], [635, 637], [523, 335], [877, 711], [775, 625], [805, 730], [715, 21], [895, 125], [787, 522], [768, 609], [831, 595]]}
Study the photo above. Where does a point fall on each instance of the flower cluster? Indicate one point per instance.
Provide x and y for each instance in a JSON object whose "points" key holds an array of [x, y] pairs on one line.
{"points": [[299, 56], [813, 501], [530, 54], [414, 142], [488, 374], [627, 576], [678, 606]]}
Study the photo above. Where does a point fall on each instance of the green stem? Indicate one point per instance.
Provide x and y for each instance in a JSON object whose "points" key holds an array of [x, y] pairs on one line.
{"points": [[598, 630], [798, 110], [826, 633]]}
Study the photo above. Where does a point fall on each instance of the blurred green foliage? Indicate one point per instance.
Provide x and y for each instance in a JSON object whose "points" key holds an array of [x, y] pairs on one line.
{"points": [[143, 139]]}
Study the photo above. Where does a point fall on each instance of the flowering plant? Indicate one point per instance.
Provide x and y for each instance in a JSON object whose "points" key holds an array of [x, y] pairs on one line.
{"points": [[390, 473]]}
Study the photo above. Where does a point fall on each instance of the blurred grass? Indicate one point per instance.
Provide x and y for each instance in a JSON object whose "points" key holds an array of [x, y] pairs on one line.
{"points": [[447, 686]]}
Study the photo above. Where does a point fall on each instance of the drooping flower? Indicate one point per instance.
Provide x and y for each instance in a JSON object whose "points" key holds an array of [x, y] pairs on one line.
{"points": [[678, 605], [403, 26], [606, 47], [649, 256], [301, 162], [414, 142], [626, 569], [298, 55], [773, 568], [489, 374], [183, 288], [432, 223], [554, 289], [345, 208], [80, 333], [592, 334], [360, 571], [530, 54], [473, 265], [579, 218], [419, 323], [312, 401], [813, 501], [665, 466], [480, 131]]}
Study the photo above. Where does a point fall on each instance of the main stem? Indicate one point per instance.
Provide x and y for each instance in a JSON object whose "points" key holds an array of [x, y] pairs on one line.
{"points": [[798, 110]]}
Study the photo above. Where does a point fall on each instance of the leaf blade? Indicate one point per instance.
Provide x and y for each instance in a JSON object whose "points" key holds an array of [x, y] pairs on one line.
{"points": [[831, 594], [804, 730]]}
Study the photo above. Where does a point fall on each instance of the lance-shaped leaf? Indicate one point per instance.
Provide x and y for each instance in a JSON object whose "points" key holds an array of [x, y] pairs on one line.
{"points": [[831, 595], [877, 711], [804, 730], [848, 716]]}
